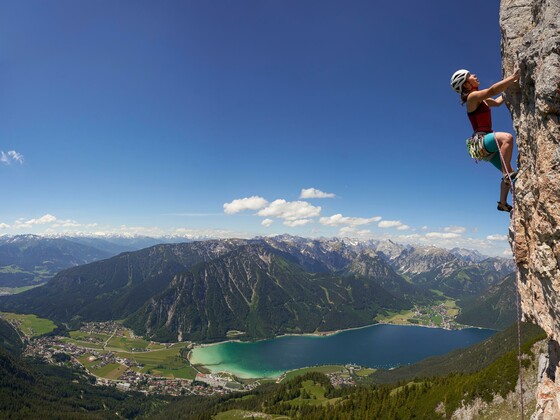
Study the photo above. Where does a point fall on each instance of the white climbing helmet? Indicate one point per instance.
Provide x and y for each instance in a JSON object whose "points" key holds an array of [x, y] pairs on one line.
{"points": [[458, 78]]}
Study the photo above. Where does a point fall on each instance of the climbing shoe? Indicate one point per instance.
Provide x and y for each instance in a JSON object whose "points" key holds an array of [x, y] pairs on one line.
{"points": [[504, 207], [511, 176]]}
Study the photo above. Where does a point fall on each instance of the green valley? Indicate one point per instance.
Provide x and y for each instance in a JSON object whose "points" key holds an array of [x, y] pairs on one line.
{"points": [[29, 324], [440, 314]]}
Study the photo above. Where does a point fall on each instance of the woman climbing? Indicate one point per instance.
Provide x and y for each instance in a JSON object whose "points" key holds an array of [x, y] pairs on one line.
{"points": [[484, 143]]}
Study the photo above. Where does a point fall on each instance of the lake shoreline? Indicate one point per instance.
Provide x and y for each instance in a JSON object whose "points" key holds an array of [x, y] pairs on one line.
{"points": [[320, 334], [206, 360]]}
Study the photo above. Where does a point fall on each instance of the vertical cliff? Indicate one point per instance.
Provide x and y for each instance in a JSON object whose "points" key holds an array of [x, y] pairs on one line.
{"points": [[531, 42]]}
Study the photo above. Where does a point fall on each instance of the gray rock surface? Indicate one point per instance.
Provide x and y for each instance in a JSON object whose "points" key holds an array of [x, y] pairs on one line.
{"points": [[531, 42]]}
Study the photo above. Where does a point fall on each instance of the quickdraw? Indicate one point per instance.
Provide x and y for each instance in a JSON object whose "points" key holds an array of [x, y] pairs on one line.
{"points": [[476, 149]]}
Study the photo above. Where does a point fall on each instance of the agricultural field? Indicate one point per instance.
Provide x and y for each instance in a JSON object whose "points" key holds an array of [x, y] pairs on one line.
{"points": [[401, 317], [155, 358], [439, 315], [84, 360], [166, 362], [109, 342], [453, 310], [364, 372], [87, 340], [110, 371], [128, 344], [30, 325]]}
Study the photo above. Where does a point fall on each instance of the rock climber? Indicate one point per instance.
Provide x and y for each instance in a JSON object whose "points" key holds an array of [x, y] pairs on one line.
{"points": [[478, 110]]}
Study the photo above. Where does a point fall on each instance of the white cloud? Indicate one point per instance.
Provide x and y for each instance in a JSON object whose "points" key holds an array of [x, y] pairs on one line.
{"points": [[442, 235], [455, 229], [267, 222], [67, 223], [296, 223], [315, 193], [47, 218], [392, 224], [353, 232], [43, 220], [290, 210], [4, 226], [497, 237], [250, 203], [11, 156], [340, 220], [408, 238]]}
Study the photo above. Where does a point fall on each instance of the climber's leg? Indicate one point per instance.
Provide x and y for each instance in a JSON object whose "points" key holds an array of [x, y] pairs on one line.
{"points": [[491, 146], [504, 190], [505, 141]]}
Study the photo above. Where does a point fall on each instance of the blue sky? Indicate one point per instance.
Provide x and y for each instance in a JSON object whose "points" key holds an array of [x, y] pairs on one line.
{"points": [[242, 118]]}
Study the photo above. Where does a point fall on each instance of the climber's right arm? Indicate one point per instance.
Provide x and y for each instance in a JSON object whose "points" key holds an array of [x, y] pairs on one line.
{"points": [[495, 89]]}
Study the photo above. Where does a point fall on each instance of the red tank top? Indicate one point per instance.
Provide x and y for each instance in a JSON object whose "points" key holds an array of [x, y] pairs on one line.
{"points": [[481, 118]]}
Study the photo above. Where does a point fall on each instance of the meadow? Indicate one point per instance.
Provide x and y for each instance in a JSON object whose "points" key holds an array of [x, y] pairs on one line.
{"points": [[321, 369], [29, 324], [167, 362]]}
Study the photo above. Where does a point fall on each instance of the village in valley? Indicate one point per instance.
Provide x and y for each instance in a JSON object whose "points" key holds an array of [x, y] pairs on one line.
{"points": [[440, 315], [114, 356]]}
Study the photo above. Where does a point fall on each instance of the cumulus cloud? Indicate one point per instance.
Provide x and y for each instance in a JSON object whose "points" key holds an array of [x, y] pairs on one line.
{"points": [[315, 193], [455, 229], [69, 223], [340, 220], [296, 223], [11, 156], [409, 238], [497, 237], [352, 231], [249, 203], [290, 210], [4, 226], [442, 235], [267, 222], [385, 224], [43, 220]]}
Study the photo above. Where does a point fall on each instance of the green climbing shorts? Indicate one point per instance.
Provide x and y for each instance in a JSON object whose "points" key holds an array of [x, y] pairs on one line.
{"points": [[492, 147]]}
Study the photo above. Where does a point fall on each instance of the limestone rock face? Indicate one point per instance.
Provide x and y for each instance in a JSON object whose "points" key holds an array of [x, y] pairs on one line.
{"points": [[531, 42]]}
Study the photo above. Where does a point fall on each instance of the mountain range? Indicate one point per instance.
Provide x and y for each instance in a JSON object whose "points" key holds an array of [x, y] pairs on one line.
{"points": [[28, 260], [262, 287]]}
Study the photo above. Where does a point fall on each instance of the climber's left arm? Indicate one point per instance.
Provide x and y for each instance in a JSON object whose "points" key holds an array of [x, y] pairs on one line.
{"points": [[495, 101]]}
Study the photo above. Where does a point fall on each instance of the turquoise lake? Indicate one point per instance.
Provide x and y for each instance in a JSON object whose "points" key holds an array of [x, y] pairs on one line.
{"points": [[376, 346]]}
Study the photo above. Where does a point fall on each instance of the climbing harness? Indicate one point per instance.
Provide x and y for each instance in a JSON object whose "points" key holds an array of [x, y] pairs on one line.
{"points": [[511, 177], [476, 149]]}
